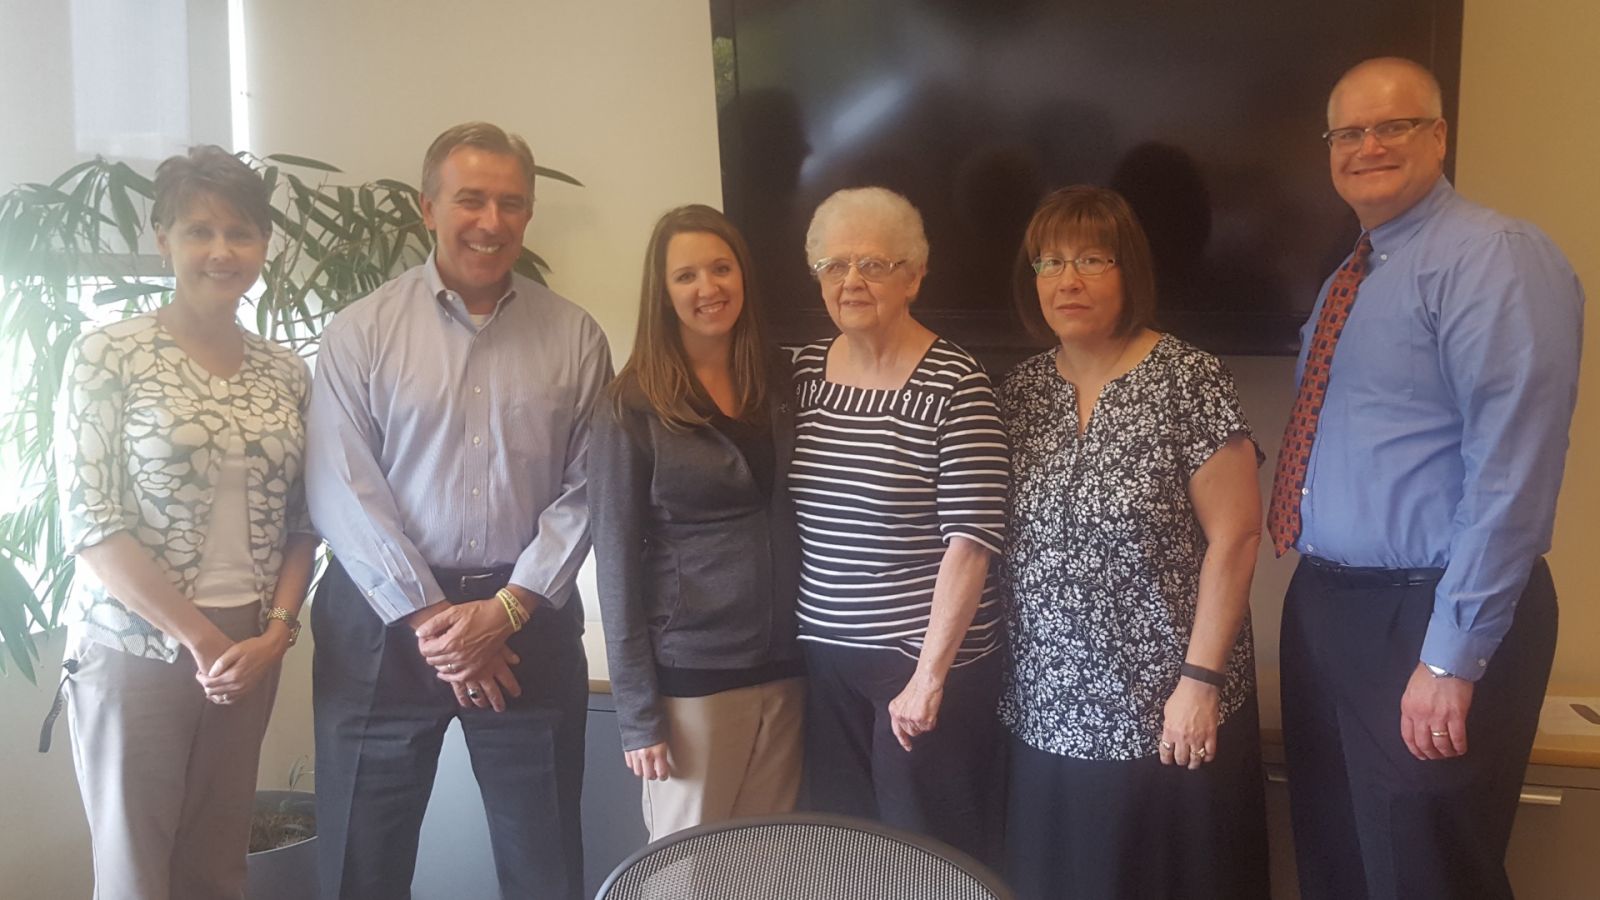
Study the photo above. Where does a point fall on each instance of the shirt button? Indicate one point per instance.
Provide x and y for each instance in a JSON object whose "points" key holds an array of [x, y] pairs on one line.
{"points": [[1311, 548], [474, 492], [476, 440], [477, 389], [1483, 663], [1383, 256], [1305, 492], [472, 543]]}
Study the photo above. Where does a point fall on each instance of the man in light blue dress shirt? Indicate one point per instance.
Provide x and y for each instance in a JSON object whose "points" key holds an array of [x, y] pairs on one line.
{"points": [[1420, 625], [449, 428]]}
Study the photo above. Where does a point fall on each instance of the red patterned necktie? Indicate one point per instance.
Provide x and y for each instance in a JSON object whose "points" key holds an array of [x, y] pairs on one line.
{"points": [[1283, 515]]}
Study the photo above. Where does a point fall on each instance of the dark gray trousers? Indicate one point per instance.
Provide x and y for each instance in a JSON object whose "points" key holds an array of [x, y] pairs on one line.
{"points": [[381, 715]]}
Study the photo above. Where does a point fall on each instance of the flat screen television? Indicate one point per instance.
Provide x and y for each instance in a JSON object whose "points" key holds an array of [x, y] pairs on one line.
{"points": [[1206, 115]]}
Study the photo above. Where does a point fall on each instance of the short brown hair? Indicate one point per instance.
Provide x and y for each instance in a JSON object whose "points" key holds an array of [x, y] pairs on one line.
{"points": [[658, 365], [1095, 215], [210, 170], [482, 135]]}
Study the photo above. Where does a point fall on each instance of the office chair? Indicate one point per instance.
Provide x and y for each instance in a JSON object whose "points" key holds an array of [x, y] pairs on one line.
{"points": [[800, 857]]}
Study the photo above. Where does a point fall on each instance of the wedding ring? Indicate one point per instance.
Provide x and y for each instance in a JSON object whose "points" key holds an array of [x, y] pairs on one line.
{"points": [[1198, 751], [449, 668], [474, 693], [1439, 733], [1166, 745], [223, 698]]}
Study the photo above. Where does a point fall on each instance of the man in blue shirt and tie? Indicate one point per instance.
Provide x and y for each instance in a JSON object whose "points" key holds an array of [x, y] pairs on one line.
{"points": [[449, 428], [1418, 480]]}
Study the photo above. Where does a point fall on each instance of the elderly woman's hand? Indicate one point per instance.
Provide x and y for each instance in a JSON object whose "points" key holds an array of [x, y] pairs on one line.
{"points": [[1189, 731], [916, 710]]}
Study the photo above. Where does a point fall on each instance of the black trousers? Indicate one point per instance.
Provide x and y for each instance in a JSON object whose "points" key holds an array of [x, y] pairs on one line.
{"points": [[381, 715], [1371, 820], [952, 783], [1134, 829]]}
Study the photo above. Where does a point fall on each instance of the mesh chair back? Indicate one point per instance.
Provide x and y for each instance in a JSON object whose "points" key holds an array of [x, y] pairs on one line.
{"points": [[800, 857]]}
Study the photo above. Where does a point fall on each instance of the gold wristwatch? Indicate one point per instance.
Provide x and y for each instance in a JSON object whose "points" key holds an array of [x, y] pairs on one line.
{"points": [[284, 616]]}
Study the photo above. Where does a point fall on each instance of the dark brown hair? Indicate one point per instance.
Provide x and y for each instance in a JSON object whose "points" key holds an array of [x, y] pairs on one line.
{"points": [[658, 365], [210, 170], [482, 135], [1085, 215]]}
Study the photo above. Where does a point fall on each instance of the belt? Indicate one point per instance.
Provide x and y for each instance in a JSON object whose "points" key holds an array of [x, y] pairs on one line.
{"points": [[1372, 576], [460, 585]]}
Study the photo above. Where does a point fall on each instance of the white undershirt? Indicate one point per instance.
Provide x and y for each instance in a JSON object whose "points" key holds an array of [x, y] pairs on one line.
{"points": [[480, 320], [227, 573]]}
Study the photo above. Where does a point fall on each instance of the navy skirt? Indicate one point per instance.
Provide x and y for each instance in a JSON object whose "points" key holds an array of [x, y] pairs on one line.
{"points": [[1135, 829]]}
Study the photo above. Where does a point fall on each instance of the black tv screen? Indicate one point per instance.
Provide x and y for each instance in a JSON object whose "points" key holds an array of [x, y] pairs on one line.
{"points": [[1207, 116]]}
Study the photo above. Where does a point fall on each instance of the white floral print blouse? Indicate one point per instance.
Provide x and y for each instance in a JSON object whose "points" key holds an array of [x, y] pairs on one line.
{"points": [[140, 438]]}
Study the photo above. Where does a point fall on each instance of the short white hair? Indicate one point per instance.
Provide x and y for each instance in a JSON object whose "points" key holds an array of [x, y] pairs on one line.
{"points": [[876, 208]]}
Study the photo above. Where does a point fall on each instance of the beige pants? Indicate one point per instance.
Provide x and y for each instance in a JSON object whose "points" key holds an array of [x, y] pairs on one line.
{"points": [[733, 754], [168, 778]]}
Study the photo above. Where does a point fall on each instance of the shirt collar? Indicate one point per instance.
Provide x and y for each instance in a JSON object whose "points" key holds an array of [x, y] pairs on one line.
{"points": [[451, 302], [1393, 234]]}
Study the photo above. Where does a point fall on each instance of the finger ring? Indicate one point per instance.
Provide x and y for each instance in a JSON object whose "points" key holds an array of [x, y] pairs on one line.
{"points": [[223, 698], [1166, 745], [1439, 733], [474, 693], [449, 668], [1198, 751]]}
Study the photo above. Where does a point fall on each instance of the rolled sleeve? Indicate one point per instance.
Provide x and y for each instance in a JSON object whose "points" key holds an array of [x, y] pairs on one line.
{"points": [[549, 565], [90, 454], [974, 465], [348, 496]]}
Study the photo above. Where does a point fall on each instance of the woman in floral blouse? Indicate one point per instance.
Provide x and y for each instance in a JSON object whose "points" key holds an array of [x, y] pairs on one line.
{"points": [[179, 458], [1134, 519]]}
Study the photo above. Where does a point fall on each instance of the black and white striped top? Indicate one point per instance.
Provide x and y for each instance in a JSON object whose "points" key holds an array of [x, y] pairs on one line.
{"points": [[881, 480]]}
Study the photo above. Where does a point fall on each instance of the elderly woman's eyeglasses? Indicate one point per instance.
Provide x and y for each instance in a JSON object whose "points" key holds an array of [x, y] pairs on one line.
{"points": [[1087, 266], [1388, 132], [832, 270]]}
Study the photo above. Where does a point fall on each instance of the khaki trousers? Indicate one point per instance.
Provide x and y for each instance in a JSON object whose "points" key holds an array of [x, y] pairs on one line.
{"points": [[168, 778], [733, 754]]}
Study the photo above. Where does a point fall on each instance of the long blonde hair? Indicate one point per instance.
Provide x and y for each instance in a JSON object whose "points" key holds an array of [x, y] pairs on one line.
{"points": [[658, 365]]}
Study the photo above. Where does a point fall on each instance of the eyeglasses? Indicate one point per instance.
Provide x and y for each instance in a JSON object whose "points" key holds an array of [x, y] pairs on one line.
{"points": [[1388, 132], [834, 270], [1087, 266]]}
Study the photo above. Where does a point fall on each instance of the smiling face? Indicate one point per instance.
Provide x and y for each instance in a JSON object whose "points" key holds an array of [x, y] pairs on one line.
{"points": [[1080, 309], [706, 286], [1379, 181], [856, 304], [216, 254], [479, 213]]}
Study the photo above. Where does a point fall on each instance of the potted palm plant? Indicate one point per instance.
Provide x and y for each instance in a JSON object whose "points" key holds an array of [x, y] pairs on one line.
{"points": [[80, 242]]}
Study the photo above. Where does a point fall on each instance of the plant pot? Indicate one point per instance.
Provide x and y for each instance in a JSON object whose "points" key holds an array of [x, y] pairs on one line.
{"points": [[288, 872]]}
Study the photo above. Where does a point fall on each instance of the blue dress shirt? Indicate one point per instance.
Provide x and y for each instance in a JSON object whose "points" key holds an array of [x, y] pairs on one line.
{"points": [[1444, 430], [435, 442]]}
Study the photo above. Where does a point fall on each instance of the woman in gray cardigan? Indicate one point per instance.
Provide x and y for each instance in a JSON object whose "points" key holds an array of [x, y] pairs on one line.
{"points": [[695, 541]]}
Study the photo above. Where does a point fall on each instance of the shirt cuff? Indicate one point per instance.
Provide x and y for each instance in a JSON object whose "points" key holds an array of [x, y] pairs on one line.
{"points": [[390, 602], [1461, 653]]}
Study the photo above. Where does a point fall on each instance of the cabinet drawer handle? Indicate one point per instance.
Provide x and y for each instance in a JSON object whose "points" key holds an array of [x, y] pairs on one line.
{"points": [[1540, 796]]}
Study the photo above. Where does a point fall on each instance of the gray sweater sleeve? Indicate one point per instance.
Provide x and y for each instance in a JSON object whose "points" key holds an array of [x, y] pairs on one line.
{"points": [[620, 467]]}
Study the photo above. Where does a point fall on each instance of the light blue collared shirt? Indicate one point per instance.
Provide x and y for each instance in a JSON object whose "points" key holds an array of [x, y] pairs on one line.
{"points": [[1444, 429], [433, 442]]}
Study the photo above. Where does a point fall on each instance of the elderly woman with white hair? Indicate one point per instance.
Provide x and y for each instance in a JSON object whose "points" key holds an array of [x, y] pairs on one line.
{"points": [[899, 481]]}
